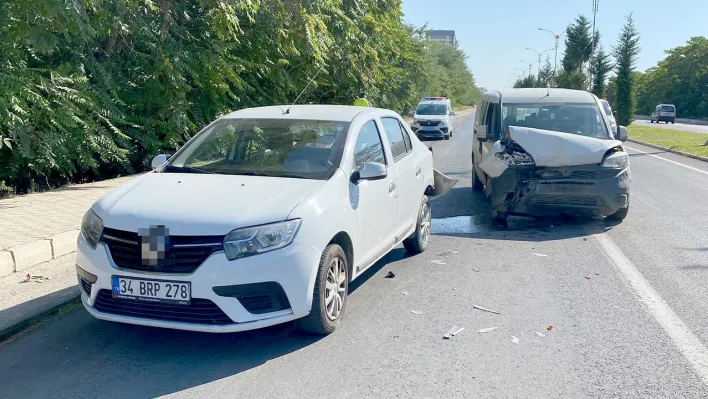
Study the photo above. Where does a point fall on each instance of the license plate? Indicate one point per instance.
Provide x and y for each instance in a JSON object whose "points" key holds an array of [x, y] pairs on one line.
{"points": [[429, 129], [147, 290]]}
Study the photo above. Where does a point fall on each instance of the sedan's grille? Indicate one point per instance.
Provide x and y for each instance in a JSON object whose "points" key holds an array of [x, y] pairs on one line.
{"points": [[184, 254], [561, 200], [86, 286], [429, 123], [199, 311]]}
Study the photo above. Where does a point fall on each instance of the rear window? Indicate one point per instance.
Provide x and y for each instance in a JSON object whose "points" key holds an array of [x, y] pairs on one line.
{"points": [[667, 108]]}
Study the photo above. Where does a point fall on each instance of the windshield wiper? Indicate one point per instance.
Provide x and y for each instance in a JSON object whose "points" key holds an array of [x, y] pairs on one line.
{"points": [[254, 173], [185, 169]]}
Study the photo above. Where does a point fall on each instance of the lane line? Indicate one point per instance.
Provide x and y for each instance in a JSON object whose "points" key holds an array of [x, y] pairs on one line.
{"points": [[669, 160], [687, 343]]}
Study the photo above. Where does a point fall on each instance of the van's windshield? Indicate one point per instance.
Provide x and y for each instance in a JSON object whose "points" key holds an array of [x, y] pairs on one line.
{"points": [[431, 109], [581, 119]]}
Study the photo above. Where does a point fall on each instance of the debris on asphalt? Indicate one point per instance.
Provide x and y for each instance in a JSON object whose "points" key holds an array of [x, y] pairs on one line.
{"points": [[405, 293], [475, 270], [486, 330], [514, 339], [416, 312], [549, 328], [453, 331], [540, 334], [35, 278], [542, 255], [446, 253], [438, 262], [485, 309], [585, 239], [588, 277], [390, 275]]}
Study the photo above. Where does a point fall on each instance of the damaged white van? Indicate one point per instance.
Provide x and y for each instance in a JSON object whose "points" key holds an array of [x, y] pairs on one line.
{"points": [[545, 152]]}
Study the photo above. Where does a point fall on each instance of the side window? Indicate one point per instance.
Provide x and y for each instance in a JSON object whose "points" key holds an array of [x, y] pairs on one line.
{"points": [[395, 136], [479, 118], [406, 137], [492, 120], [368, 147]]}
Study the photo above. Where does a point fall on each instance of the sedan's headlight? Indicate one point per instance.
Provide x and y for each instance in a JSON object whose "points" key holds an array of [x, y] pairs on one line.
{"points": [[91, 228], [617, 160], [251, 241]]}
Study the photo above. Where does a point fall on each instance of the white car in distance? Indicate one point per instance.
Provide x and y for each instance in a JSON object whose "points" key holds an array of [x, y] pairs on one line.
{"points": [[263, 217]]}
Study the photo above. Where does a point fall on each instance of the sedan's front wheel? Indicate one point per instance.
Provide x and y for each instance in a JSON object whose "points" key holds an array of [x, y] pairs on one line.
{"points": [[418, 241], [330, 294]]}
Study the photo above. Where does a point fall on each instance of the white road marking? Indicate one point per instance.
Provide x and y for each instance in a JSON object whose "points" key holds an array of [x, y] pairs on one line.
{"points": [[687, 343], [668, 160]]}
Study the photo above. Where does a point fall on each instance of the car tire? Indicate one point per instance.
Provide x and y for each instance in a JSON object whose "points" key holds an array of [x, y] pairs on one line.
{"points": [[418, 241], [672, 122], [447, 137], [651, 121], [333, 269], [477, 184]]}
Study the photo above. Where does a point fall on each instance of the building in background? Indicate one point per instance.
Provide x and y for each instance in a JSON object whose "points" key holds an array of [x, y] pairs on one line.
{"points": [[445, 36]]}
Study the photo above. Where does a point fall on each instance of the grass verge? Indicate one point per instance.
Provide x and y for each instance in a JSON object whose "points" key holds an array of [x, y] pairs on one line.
{"points": [[689, 142]]}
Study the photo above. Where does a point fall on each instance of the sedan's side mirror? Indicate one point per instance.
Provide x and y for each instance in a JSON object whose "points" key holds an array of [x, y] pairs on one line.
{"points": [[158, 160], [623, 134], [452, 113], [370, 171]]}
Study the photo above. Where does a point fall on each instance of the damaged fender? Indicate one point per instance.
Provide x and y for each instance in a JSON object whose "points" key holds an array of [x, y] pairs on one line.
{"points": [[491, 164], [442, 184]]}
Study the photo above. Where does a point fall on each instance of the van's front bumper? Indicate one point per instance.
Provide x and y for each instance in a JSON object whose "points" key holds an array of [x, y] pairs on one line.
{"points": [[575, 190], [286, 276], [437, 131]]}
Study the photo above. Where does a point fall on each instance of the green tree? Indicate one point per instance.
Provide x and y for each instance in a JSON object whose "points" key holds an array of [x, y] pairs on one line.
{"points": [[545, 77], [575, 79], [526, 82], [626, 53], [601, 67]]}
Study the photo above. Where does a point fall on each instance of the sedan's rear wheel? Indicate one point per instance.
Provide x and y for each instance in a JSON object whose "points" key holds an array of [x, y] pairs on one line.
{"points": [[329, 298], [418, 241]]}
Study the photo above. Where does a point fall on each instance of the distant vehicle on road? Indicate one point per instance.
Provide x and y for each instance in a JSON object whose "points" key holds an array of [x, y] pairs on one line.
{"points": [[433, 118], [547, 152], [610, 115], [664, 112], [263, 217]]}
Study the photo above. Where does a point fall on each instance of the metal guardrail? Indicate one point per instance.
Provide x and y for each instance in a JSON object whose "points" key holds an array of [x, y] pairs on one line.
{"points": [[679, 120]]}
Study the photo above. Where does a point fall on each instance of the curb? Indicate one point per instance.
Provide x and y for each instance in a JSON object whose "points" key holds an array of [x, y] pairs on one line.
{"points": [[658, 147], [27, 323], [24, 256]]}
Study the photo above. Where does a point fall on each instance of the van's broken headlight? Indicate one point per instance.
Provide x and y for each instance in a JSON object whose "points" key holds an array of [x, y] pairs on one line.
{"points": [[617, 160], [515, 158]]}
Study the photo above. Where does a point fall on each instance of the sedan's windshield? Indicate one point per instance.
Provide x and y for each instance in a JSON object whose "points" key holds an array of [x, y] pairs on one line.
{"points": [[308, 149], [431, 109], [582, 119]]}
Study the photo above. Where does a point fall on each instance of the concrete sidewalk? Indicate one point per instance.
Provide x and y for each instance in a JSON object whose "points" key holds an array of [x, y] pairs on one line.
{"points": [[38, 237]]}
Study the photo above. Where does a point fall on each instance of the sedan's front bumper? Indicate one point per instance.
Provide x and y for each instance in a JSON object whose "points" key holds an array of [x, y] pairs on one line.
{"points": [[291, 270]]}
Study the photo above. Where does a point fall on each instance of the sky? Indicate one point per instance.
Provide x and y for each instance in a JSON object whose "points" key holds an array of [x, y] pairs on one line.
{"points": [[495, 34]]}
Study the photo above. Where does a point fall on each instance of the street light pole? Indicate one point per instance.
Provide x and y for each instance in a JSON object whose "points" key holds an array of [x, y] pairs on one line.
{"points": [[533, 83], [539, 59], [595, 5], [555, 60]]}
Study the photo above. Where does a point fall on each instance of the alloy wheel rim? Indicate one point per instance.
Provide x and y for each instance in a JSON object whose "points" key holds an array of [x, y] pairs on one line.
{"points": [[425, 223], [335, 288]]}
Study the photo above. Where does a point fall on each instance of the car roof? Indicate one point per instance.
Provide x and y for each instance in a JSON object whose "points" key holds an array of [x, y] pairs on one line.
{"points": [[545, 95], [340, 113], [433, 102]]}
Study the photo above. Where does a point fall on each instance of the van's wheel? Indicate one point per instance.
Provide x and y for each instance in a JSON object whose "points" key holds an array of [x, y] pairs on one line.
{"points": [[651, 121], [418, 241], [477, 184], [672, 122], [329, 298], [448, 136]]}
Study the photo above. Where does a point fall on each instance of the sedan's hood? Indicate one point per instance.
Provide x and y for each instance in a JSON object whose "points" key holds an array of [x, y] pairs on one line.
{"points": [[201, 204], [553, 149]]}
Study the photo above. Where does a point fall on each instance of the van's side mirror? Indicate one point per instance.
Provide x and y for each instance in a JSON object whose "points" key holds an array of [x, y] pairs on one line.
{"points": [[452, 113], [158, 160], [482, 133], [614, 113], [623, 134]]}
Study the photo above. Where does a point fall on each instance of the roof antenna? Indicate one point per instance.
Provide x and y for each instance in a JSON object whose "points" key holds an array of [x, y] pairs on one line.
{"points": [[287, 111]]}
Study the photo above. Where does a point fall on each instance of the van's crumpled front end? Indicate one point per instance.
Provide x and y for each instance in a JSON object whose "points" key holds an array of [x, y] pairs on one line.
{"points": [[540, 172]]}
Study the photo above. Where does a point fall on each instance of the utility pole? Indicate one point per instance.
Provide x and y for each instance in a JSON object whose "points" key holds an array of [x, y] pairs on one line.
{"points": [[539, 59], [555, 60], [533, 83], [595, 5]]}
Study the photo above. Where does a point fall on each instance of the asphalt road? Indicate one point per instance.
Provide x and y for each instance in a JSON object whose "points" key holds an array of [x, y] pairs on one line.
{"points": [[674, 126], [626, 303]]}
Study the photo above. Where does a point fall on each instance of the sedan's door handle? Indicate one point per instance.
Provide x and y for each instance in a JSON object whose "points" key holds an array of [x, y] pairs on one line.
{"points": [[391, 187], [417, 172]]}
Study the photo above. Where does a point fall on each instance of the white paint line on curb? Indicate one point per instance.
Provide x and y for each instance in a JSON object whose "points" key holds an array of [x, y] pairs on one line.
{"points": [[687, 343], [669, 160]]}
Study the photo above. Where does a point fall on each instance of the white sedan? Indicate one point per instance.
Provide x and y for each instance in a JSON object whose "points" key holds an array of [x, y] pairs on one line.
{"points": [[264, 217]]}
